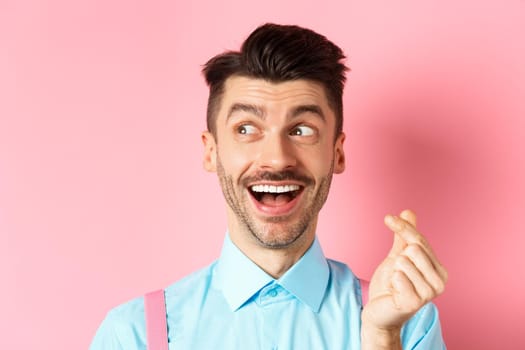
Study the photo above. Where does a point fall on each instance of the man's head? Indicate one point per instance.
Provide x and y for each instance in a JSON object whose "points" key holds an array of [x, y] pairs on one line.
{"points": [[274, 138], [279, 53]]}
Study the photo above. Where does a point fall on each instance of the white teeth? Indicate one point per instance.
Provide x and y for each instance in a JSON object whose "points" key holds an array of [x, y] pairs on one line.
{"points": [[274, 189]]}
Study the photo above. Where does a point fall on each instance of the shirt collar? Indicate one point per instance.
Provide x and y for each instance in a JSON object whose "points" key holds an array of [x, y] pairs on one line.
{"points": [[308, 278], [240, 278]]}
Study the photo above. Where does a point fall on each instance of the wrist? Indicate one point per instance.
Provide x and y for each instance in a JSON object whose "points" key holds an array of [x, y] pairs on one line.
{"points": [[373, 338]]}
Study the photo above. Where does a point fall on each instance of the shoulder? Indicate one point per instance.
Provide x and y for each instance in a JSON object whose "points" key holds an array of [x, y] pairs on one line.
{"points": [[124, 325], [343, 283], [187, 286], [341, 274], [122, 328]]}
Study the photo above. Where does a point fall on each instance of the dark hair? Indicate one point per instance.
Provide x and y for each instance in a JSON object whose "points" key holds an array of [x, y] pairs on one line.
{"points": [[279, 53]]}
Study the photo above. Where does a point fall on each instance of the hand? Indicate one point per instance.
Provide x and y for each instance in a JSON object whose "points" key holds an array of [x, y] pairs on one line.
{"points": [[405, 281]]}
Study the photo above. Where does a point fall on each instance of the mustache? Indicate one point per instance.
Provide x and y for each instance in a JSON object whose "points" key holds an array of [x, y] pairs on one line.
{"points": [[277, 176]]}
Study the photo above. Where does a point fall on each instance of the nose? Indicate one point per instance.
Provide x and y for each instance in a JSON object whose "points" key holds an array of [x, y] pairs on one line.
{"points": [[276, 153]]}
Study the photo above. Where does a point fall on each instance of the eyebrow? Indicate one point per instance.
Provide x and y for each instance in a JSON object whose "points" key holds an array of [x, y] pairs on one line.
{"points": [[248, 108], [314, 109], [260, 112]]}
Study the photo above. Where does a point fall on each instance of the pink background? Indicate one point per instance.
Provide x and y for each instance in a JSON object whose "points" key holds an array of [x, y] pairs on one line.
{"points": [[102, 194]]}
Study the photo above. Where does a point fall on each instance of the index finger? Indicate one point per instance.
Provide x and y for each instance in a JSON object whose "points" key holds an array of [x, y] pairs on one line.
{"points": [[407, 231], [411, 236]]}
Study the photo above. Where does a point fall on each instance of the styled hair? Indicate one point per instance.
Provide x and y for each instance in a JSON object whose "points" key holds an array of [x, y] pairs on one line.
{"points": [[279, 53]]}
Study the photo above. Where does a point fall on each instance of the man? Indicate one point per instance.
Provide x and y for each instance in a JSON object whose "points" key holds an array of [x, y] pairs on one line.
{"points": [[274, 139]]}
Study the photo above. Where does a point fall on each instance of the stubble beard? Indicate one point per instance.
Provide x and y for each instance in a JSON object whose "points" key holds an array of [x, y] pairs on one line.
{"points": [[270, 234]]}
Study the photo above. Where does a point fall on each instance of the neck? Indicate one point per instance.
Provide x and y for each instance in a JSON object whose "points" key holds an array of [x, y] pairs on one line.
{"points": [[274, 261]]}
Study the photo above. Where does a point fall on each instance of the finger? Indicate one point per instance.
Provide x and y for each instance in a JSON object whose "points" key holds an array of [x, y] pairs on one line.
{"points": [[426, 267], [406, 231], [411, 236], [424, 290], [410, 216], [398, 245], [404, 295]]}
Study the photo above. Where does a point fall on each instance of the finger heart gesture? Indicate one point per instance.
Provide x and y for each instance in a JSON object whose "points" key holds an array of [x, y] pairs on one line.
{"points": [[408, 278]]}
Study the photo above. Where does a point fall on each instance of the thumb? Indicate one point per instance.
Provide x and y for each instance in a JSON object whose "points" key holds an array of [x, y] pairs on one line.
{"points": [[410, 216], [398, 246]]}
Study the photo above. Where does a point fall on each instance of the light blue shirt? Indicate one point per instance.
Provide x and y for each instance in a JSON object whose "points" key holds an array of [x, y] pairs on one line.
{"points": [[233, 304]]}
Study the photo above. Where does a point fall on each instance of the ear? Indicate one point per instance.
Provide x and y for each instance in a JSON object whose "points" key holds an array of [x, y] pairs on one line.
{"points": [[339, 154], [210, 151]]}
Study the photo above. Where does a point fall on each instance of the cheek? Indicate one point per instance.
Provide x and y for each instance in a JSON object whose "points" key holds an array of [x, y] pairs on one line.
{"points": [[235, 159], [319, 161]]}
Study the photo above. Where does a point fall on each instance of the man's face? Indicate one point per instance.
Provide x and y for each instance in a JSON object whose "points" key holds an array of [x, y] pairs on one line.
{"points": [[275, 153]]}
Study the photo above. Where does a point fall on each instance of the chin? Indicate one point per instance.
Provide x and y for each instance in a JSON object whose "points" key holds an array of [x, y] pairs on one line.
{"points": [[279, 237]]}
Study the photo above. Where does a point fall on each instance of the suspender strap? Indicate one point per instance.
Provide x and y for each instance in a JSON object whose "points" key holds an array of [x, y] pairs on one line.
{"points": [[156, 326], [364, 291]]}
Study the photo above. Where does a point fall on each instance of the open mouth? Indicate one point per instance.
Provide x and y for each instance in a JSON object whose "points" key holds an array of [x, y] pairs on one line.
{"points": [[275, 195]]}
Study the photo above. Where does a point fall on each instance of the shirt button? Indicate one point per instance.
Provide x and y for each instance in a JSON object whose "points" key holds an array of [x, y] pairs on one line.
{"points": [[272, 293]]}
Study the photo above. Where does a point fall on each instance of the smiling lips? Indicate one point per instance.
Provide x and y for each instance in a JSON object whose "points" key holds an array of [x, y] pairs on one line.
{"points": [[275, 199]]}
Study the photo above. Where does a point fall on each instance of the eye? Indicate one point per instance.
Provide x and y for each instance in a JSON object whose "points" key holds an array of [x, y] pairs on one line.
{"points": [[246, 129], [302, 130]]}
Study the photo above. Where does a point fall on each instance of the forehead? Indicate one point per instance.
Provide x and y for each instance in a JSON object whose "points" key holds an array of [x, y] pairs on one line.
{"points": [[268, 94]]}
